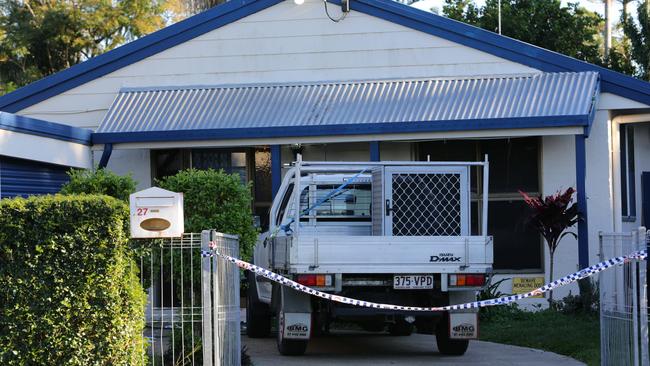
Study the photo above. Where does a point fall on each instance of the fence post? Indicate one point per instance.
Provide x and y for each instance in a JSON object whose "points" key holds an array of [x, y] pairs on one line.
{"points": [[643, 298], [634, 267], [206, 300], [217, 302]]}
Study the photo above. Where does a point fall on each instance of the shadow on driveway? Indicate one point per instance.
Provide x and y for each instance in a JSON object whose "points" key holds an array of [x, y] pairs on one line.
{"points": [[361, 348]]}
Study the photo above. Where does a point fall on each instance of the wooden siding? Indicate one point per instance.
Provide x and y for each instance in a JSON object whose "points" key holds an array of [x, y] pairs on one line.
{"points": [[284, 43]]}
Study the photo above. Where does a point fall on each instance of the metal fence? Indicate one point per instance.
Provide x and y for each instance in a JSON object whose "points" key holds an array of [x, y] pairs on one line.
{"points": [[623, 302], [192, 312]]}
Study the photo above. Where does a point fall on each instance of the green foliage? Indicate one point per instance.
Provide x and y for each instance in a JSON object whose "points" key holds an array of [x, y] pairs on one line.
{"points": [[187, 346], [99, 181], [568, 29], [41, 37], [638, 34], [70, 292], [215, 200], [586, 302], [197, 6], [552, 216], [576, 335], [491, 292]]}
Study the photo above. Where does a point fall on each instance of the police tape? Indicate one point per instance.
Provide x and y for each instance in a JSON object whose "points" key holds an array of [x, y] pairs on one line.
{"points": [[584, 273]]}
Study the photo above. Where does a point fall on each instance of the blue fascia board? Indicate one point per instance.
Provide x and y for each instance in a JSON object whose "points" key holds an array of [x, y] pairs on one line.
{"points": [[131, 52], [37, 127], [341, 129], [501, 46], [389, 10]]}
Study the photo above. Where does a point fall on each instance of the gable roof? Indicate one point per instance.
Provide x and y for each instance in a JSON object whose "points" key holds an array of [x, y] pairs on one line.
{"points": [[389, 10]]}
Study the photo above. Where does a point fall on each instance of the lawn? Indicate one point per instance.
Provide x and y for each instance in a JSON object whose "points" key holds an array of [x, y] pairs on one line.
{"points": [[576, 336]]}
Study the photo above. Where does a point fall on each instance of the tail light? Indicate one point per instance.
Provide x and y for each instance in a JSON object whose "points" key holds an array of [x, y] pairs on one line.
{"points": [[468, 280], [315, 280]]}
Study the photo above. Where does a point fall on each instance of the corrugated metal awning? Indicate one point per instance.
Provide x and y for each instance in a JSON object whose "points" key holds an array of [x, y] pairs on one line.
{"points": [[364, 107]]}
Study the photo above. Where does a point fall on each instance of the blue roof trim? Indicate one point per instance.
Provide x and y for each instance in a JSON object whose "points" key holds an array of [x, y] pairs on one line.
{"points": [[592, 111], [342, 129], [32, 126], [502, 46], [131, 52], [405, 15]]}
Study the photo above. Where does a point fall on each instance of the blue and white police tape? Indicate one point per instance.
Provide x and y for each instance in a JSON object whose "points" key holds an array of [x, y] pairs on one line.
{"points": [[584, 273]]}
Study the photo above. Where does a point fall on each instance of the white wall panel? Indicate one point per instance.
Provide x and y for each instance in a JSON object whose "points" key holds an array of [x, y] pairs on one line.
{"points": [[136, 162], [284, 43], [43, 149], [558, 173]]}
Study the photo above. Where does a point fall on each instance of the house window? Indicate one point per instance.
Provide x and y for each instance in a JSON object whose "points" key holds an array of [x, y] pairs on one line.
{"points": [[228, 161], [170, 161], [251, 164], [628, 186], [514, 166]]}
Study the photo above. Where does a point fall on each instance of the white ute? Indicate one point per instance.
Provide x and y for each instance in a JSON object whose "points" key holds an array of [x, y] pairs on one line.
{"points": [[403, 233]]}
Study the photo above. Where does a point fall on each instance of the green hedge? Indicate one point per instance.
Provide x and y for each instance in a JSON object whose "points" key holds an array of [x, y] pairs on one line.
{"points": [[99, 181], [213, 199], [69, 289]]}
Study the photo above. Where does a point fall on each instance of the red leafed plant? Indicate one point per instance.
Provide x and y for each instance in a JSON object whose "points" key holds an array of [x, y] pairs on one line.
{"points": [[551, 216]]}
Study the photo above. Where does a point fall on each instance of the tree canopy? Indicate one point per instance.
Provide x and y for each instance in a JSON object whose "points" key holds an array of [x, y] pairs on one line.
{"points": [[638, 34], [568, 29], [41, 37]]}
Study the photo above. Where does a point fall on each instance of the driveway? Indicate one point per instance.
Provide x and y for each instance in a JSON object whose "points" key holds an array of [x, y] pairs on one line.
{"points": [[360, 348]]}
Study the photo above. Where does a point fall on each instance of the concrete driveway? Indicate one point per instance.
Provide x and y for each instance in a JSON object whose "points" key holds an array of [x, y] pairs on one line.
{"points": [[362, 348]]}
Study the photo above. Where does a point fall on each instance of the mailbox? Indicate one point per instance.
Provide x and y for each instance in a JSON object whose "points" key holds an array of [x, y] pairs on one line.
{"points": [[156, 213]]}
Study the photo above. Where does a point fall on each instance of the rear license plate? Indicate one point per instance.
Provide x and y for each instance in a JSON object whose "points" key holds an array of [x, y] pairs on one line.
{"points": [[412, 282]]}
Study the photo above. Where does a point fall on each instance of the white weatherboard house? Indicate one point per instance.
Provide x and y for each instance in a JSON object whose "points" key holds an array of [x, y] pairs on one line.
{"points": [[247, 85]]}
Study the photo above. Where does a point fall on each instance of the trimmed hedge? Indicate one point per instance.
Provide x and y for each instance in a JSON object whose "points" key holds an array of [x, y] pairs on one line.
{"points": [[70, 292], [100, 181]]}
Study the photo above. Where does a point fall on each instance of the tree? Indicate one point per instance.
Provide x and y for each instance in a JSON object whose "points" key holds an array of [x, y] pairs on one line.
{"points": [[552, 216], [571, 30], [41, 37], [638, 34], [197, 6]]}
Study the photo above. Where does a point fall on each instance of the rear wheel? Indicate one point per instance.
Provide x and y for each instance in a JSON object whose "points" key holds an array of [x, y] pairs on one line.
{"points": [[258, 315], [447, 346]]}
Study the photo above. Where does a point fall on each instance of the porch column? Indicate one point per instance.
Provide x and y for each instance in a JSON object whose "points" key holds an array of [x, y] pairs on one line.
{"points": [[374, 151], [276, 169], [583, 230]]}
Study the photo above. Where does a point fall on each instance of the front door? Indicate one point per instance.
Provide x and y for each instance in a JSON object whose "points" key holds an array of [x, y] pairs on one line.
{"points": [[427, 201]]}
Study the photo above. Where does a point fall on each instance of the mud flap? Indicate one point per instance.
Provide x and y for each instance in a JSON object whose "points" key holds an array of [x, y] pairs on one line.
{"points": [[295, 325], [463, 325], [294, 317]]}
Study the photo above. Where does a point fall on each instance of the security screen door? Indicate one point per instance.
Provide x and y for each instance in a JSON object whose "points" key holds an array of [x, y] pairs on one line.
{"points": [[426, 201]]}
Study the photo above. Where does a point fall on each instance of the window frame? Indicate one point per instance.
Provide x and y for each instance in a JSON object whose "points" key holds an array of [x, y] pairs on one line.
{"points": [[628, 173]]}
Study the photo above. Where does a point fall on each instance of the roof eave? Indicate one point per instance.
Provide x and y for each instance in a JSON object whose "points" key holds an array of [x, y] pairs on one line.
{"points": [[37, 127], [342, 129], [234, 10]]}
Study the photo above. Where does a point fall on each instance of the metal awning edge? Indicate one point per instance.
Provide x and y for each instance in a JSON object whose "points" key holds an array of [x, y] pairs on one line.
{"points": [[341, 129]]}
